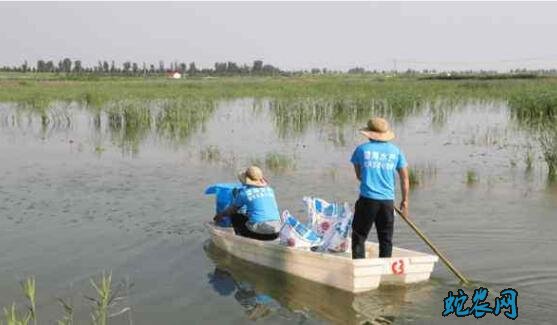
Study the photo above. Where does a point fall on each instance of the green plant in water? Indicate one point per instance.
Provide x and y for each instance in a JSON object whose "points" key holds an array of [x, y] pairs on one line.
{"points": [[12, 317], [548, 141], [68, 313], [529, 161], [211, 154], [30, 292], [420, 173], [413, 177], [103, 300], [471, 177], [536, 110], [278, 163]]}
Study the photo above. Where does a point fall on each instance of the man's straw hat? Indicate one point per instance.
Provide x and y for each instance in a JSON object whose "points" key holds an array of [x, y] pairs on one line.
{"points": [[252, 176], [378, 129]]}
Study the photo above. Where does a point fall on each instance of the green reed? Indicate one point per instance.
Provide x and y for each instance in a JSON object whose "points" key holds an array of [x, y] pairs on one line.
{"points": [[471, 177], [419, 175], [548, 141], [68, 318], [30, 291], [536, 111], [211, 154], [177, 120], [106, 298], [12, 317], [414, 178], [393, 92], [279, 163]]}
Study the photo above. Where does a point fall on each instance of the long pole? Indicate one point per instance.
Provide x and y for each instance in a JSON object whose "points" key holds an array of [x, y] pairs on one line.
{"points": [[433, 248]]}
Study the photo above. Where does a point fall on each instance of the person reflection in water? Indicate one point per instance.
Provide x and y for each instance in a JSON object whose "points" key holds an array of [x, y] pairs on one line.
{"points": [[256, 305]]}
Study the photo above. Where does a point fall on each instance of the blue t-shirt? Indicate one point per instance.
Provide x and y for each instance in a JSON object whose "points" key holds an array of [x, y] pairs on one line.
{"points": [[378, 162], [260, 203]]}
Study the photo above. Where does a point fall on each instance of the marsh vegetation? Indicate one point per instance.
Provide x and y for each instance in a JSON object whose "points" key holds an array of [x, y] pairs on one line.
{"points": [[104, 303]]}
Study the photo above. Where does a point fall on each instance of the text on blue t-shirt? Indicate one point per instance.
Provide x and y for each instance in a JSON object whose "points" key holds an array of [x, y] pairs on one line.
{"points": [[260, 203], [378, 162]]}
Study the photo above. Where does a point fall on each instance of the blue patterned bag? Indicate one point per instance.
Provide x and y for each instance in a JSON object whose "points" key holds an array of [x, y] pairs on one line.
{"points": [[296, 234], [332, 221]]}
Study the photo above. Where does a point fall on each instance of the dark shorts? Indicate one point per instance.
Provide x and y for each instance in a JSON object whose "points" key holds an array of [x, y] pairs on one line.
{"points": [[240, 228], [369, 211]]}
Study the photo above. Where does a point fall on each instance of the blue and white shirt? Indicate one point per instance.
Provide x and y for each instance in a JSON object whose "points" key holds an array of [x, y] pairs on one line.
{"points": [[378, 162]]}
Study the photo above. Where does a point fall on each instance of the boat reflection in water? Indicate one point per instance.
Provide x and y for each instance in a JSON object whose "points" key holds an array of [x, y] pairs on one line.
{"points": [[257, 305], [261, 291]]}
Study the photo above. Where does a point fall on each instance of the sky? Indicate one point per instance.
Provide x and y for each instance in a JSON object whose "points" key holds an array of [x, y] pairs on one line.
{"points": [[337, 36]]}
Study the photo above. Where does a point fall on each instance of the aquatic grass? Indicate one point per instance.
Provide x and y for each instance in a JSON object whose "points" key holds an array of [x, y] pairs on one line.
{"points": [[211, 154], [177, 120], [175, 109], [534, 107], [12, 317], [419, 175], [536, 111], [529, 161], [293, 117], [106, 298], [471, 177], [102, 302], [414, 178], [99, 149], [129, 124], [30, 292], [68, 318], [399, 93], [94, 99], [279, 163], [548, 141]]}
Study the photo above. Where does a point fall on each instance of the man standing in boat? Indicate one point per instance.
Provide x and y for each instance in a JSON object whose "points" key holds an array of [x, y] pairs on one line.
{"points": [[262, 218], [375, 163]]}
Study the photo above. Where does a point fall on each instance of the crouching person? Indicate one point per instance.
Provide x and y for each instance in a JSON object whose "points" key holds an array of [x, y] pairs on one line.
{"points": [[262, 218]]}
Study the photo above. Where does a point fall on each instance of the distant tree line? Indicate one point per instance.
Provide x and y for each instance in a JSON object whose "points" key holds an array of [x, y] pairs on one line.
{"points": [[129, 68]]}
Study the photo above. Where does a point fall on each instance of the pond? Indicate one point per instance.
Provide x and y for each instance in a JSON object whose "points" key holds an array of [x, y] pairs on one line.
{"points": [[120, 188]]}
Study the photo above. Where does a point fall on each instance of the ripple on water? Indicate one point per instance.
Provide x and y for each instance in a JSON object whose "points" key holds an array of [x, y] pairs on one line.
{"points": [[499, 230]]}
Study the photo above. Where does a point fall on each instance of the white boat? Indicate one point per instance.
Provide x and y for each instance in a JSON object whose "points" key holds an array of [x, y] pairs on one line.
{"points": [[333, 269]]}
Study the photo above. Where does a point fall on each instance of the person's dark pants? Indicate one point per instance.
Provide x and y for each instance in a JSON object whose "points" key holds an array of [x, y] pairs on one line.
{"points": [[240, 228], [367, 212]]}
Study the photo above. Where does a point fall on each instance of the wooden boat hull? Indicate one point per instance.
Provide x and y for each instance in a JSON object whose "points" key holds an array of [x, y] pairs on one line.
{"points": [[336, 270]]}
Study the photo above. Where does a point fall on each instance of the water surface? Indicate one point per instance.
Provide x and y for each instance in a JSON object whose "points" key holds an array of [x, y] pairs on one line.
{"points": [[120, 188]]}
